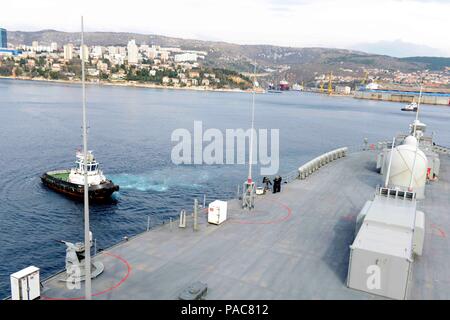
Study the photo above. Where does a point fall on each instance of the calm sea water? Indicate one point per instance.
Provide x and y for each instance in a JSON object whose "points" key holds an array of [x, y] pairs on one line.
{"points": [[130, 133]]}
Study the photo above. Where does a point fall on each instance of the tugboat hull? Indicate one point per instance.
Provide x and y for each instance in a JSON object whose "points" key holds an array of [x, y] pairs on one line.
{"points": [[101, 192]]}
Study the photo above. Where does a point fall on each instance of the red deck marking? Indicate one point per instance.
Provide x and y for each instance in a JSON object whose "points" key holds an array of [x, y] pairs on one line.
{"points": [[441, 233], [125, 262], [349, 217]]}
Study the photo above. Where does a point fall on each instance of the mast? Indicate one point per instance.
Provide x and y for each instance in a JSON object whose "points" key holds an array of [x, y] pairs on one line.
{"points": [[87, 240], [417, 138], [386, 183], [417, 111], [250, 160], [248, 196]]}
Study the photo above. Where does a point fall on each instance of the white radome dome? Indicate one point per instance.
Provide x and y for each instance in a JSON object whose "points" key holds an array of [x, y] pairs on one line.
{"points": [[403, 163], [410, 141]]}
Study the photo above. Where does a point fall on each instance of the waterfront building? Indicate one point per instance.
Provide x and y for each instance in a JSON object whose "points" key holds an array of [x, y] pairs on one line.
{"points": [[31, 63], [56, 67], [84, 53], [113, 50], [164, 56], [53, 47], [3, 38], [343, 89], [97, 52], [144, 47], [93, 72], [103, 67], [372, 86], [152, 53], [194, 74], [122, 51], [35, 45], [68, 52], [132, 52], [9, 52], [186, 57]]}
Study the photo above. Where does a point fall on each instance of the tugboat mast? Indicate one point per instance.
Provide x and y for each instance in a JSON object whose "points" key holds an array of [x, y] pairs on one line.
{"points": [[87, 240]]}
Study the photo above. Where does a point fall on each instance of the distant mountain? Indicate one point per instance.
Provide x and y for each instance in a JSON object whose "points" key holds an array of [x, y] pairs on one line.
{"points": [[399, 49], [292, 64]]}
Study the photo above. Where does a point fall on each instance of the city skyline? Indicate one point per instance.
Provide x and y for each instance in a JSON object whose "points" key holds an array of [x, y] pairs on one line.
{"points": [[350, 24]]}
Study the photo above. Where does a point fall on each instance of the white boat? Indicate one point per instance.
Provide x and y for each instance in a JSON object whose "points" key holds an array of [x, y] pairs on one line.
{"points": [[410, 107]]}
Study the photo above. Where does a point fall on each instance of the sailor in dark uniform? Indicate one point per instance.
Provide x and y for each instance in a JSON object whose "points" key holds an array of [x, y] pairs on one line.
{"points": [[277, 184], [266, 181]]}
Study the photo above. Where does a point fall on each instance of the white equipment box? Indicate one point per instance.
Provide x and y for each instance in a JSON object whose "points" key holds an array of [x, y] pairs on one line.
{"points": [[25, 284], [217, 212], [391, 231]]}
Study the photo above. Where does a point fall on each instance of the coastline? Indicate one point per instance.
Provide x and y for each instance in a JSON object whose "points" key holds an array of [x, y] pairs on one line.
{"points": [[130, 84]]}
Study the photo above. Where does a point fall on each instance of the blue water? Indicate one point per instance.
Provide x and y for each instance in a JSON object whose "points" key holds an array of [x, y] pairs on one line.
{"points": [[130, 133]]}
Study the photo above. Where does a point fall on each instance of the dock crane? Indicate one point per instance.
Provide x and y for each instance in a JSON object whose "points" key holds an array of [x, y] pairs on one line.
{"points": [[330, 87], [366, 76], [363, 81]]}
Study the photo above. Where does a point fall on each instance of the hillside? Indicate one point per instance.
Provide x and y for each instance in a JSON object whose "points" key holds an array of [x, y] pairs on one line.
{"points": [[293, 64], [431, 63]]}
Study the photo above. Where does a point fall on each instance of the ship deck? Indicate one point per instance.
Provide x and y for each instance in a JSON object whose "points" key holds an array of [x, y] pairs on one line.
{"points": [[294, 245], [63, 175]]}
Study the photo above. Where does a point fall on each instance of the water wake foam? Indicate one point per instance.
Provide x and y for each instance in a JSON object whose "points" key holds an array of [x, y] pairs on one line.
{"points": [[136, 182], [161, 181]]}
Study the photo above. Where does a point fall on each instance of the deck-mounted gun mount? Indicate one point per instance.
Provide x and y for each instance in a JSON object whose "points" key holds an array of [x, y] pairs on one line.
{"points": [[75, 266]]}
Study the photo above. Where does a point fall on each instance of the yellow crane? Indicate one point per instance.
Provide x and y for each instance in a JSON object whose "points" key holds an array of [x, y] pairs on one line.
{"points": [[366, 76], [321, 86], [330, 87]]}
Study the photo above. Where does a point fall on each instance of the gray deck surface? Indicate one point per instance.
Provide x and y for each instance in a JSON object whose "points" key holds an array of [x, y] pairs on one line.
{"points": [[295, 245]]}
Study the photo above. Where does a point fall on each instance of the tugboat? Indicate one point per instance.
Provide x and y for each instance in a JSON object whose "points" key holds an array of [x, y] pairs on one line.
{"points": [[410, 107], [71, 182]]}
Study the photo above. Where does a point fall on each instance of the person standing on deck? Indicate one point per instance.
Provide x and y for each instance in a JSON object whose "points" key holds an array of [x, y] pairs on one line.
{"points": [[277, 184], [267, 181]]}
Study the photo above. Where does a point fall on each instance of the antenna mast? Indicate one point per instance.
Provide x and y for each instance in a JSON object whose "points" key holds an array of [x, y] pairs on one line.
{"points": [[417, 138], [417, 111], [249, 188], [87, 240], [250, 160], [389, 166]]}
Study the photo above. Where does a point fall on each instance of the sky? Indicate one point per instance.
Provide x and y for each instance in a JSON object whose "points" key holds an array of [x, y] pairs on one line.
{"points": [[354, 24]]}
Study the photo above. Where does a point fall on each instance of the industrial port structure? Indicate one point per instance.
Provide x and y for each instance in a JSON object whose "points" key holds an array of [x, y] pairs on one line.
{"points": [[428, 97]]}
